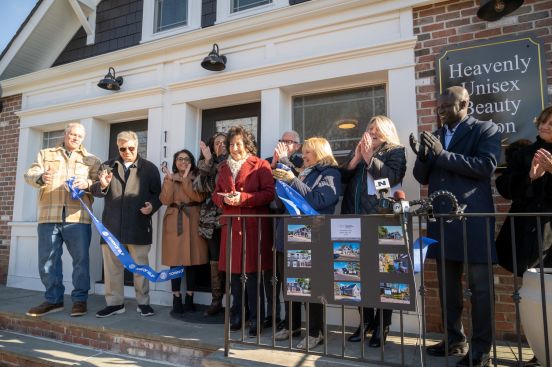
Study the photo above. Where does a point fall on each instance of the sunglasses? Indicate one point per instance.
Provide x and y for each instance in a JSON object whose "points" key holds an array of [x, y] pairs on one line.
{"points": [[124, 149], [183, 159]]}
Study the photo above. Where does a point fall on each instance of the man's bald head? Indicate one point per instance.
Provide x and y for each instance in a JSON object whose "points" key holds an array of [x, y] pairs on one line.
{"points": [[452, 105]]}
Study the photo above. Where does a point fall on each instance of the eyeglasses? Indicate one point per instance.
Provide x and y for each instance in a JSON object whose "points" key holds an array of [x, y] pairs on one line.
{"points": [[184, 159], [124, 149], [288, 142]]}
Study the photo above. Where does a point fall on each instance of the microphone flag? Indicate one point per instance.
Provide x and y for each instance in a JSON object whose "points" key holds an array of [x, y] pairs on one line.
{"points": [[119, 250]]}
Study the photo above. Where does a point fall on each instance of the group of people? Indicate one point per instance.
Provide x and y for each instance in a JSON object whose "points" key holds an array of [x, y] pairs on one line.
{"points": [[460, 157]]}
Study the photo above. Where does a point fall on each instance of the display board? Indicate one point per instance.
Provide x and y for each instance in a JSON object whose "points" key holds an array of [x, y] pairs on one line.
{"points": [[350, 260]]}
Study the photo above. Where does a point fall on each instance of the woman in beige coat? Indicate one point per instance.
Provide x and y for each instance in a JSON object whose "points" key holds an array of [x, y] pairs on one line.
{"points": [[182, 244]]}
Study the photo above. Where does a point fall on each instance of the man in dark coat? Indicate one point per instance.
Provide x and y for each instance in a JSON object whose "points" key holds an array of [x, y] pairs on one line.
{"points": [[461, 158], [131, 190]]}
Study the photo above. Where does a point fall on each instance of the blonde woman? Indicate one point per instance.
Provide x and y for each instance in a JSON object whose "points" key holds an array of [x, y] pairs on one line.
{"points": [[379, 154], [320, 184]]}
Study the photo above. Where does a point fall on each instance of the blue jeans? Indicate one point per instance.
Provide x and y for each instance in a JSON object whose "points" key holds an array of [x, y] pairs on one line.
{"points": [[51, 237]]}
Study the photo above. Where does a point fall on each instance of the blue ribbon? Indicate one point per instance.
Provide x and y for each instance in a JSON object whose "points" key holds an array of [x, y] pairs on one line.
{"points": [[120, 251], [293, 201], [421, 244]]}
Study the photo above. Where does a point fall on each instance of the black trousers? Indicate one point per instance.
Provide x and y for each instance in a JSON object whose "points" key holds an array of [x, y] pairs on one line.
{"points": [[481, 298], [251, 296], [372, 317], [316, 319], [267, 280], [214, 245], [191, 272]]}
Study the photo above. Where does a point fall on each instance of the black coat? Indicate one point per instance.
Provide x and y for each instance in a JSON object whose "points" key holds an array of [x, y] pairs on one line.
{"points": [[527, 197], [465, 169], [389, 162], [125, 197]]}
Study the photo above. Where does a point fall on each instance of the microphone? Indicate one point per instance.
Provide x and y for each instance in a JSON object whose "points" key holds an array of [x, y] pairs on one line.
{"points": [[401, 205]]}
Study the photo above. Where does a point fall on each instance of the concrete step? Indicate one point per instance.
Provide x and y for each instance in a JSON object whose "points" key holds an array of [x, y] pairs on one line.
{"points": [[23, 350]]}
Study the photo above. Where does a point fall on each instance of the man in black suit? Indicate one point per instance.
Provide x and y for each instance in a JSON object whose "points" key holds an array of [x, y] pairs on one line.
{"points": [[461, 157]]}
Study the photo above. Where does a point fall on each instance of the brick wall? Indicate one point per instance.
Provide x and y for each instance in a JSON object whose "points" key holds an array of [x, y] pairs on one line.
{"points": [[455, 22], [9, 137]]}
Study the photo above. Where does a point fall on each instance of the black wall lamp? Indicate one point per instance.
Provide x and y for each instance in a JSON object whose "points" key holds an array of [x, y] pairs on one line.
{"points": [[110, 82], [491, 10], [214, 61]]}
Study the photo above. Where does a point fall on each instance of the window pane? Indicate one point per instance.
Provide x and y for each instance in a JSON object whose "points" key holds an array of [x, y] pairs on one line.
{"points": [[318, 115], [239, 5], [52, 139], [170, 14]]}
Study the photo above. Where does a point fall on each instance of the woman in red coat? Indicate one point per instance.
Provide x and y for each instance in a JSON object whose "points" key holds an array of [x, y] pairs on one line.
{"points": [[245, 186]]}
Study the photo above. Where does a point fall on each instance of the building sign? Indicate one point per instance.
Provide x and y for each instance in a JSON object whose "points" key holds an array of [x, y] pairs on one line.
{"points": [[361, 261], [505, 78]]}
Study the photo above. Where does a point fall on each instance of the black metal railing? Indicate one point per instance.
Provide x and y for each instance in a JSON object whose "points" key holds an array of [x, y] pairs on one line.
{"points": [[339, 347]]}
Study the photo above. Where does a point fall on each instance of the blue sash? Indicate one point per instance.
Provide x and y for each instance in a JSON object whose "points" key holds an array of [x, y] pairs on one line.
{"points": [[120, 251]]}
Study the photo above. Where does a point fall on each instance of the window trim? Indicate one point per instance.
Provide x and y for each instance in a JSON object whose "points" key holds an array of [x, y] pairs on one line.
{"points": [[148, 21], [224, 6]]}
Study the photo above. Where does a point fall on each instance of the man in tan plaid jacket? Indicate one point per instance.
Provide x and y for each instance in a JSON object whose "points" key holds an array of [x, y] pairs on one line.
{"points": [[62, 219]]}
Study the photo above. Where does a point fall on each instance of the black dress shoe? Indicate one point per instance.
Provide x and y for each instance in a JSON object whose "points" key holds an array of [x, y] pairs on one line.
{"points": [[454, 349], [253, 330], [355, 337], [477, 359], [375, 340]]}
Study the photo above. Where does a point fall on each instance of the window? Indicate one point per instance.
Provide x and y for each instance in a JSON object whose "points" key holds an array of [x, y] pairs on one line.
{"points": [[170, 14], [52, 139], [165, 18], [319, 114], [234, 9], [239, 5]]}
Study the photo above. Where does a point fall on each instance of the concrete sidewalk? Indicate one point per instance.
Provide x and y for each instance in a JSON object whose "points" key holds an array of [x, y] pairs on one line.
{"points": [[161, 340]]}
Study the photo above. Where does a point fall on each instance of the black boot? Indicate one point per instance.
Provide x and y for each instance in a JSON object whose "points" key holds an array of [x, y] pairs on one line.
{"points": [[377, 336], [177, 304], [189, 303]]}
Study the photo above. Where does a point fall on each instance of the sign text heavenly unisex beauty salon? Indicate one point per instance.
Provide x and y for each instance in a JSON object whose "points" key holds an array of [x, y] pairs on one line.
{"points": [[505, 78]]}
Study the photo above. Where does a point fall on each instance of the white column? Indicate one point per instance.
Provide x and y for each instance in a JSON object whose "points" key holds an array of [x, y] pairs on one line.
{"points": [[275, 118], [25, 200], [96, 142], [402, 110]]}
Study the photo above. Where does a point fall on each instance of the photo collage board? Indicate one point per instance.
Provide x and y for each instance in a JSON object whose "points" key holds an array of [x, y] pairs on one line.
{"points": [[350, 260]]}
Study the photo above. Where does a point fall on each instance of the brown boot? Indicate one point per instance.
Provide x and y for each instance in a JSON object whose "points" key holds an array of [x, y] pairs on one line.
{"points": [[216, 290]]}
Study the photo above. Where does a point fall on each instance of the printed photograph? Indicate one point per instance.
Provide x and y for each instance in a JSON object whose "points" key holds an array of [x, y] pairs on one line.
{"points": [[298, 287], [347, 229], [394, 293], [349, 291], [347, 271], [390, 235], [346, 251], [393, 263], [299, 233], [299, 258]]}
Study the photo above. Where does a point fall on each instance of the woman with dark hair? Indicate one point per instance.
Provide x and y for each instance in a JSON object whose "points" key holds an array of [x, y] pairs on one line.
{"points": [[245, 186], [212, 154], [182, 244], [527, 181]]}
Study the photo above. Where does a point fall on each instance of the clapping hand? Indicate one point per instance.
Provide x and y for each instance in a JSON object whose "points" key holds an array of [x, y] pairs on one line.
{"points": [[432, 142], [205, 150], [421, 150], [365, 147], [105, 176], [544, 158], [48, 175]]}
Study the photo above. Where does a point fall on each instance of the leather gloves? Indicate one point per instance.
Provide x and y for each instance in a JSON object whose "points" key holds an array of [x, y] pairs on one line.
{"points": [[421, 150], [283, 175], [432, 142]]}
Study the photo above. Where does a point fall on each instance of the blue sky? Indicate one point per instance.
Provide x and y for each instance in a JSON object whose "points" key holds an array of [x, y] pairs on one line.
{"points": [[12, 14]]}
